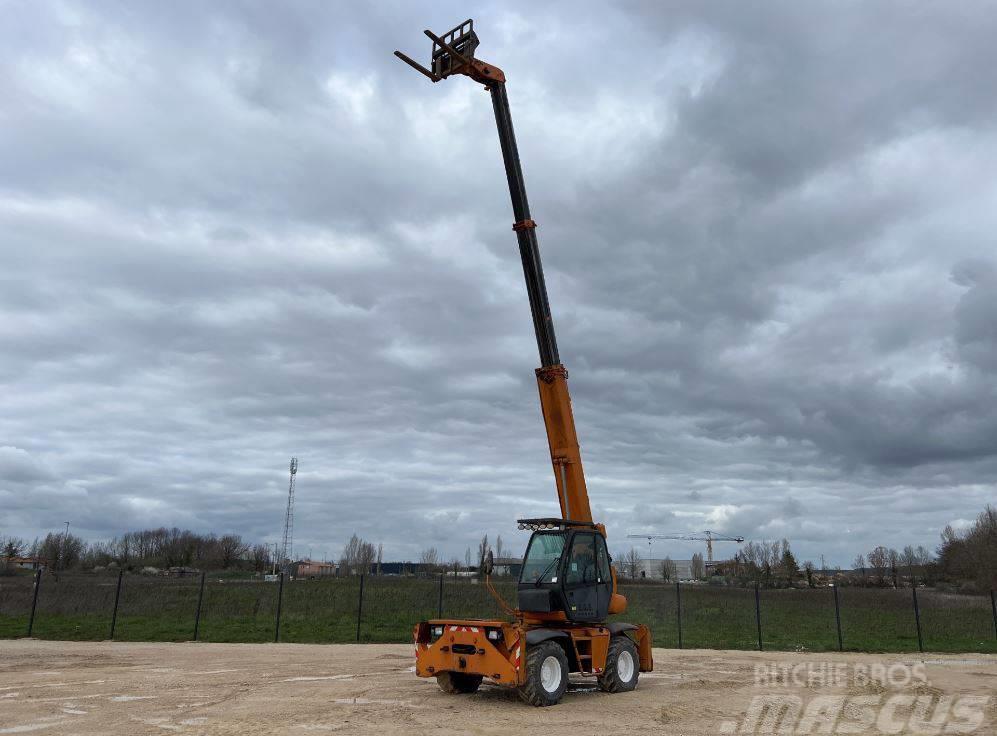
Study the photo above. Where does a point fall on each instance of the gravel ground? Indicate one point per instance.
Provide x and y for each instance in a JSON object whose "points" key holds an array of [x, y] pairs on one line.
{"points": [[49, 687]]}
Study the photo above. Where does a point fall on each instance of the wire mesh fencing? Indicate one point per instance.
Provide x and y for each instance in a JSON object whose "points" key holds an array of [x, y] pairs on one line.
{"points": [[367, 608]]}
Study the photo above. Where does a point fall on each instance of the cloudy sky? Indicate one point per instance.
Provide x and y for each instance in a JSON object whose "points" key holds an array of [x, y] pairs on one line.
{"points": [[235, 232]]}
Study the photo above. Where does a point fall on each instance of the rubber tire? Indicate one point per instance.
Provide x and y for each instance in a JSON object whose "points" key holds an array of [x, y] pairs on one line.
{"points": [[458, 683], [533, 691], [609, 680]]}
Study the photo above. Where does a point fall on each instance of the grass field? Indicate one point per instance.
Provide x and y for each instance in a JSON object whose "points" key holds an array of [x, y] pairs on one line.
{"points": [[164, 609]]}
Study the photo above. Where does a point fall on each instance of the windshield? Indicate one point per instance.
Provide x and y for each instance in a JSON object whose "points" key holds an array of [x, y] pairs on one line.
{"points": [[541, 558]]}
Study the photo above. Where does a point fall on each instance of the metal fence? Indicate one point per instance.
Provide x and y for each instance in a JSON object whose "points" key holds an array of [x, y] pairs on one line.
{"points": [[384, 608]]}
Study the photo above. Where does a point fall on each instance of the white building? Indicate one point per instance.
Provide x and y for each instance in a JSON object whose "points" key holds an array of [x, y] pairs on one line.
{"points": [[652, 568]]}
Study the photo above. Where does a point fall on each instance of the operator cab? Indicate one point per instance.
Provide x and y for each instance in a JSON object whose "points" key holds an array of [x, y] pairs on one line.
{"points": [[566, 569]]}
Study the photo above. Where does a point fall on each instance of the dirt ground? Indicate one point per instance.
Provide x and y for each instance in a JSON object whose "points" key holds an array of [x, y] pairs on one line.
{"points": [[50, 687]]}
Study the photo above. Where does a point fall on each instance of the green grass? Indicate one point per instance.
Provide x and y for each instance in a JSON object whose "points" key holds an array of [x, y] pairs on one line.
{"points": [[78, 607]]}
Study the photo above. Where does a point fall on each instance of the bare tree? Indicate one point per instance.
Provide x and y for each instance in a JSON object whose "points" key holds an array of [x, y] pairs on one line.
{"points": [[358, 555], [366, 558], [632, 564], [467, 558], [808, 570], [62, 550], [261, 557], [429, 559], [894, 559], [879, 561], [380, 556], [908, 559], [859, 566], [482, 553], [927, 564], [971, 555], [667, 570], [698, 568], [231, 548], [498, 546]]}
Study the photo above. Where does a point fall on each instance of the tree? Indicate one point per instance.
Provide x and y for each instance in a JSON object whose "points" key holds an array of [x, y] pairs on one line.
{"points": [[632, 564], [879, 561], [908, 559], [498, 547], [788, 563], [366, 557], [894, 559], [358, 555], [808, 569], [971, 556], [698, 568], [482, 553], [859, 565], [231, 549], [380, 557], [667, 570], [467, 558], [927, 564], [260, 555], [62, 551], [13, 547], [429, 559]]}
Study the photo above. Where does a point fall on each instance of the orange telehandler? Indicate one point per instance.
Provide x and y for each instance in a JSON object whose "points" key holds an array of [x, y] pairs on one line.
{"points": [[567, 587]]}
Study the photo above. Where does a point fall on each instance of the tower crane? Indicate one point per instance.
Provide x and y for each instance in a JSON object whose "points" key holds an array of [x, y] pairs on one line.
{"points": [[706, 536], [567, 587]]}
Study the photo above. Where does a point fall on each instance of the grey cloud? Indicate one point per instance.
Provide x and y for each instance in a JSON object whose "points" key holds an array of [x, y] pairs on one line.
{"points": [[231, 234]]}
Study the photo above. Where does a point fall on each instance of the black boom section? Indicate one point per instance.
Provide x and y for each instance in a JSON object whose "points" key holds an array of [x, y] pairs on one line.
{"points": [[529, 248]]}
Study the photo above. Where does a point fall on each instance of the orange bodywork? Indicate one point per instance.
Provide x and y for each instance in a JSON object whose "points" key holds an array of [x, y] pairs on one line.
{"points": [[565, 454], [465, 647]]}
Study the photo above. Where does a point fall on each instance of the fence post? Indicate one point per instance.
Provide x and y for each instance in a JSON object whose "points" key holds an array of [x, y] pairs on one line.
{"points": [[678, 609], [440, 606], [117, 598], [200, 600], [837, 618], [359, 607], [993, 610], [758, 616], [917, 620], [34, 600], [280, 600]]}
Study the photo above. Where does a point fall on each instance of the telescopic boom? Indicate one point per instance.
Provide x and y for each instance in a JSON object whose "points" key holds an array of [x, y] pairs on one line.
{"points": [[454, 54]]}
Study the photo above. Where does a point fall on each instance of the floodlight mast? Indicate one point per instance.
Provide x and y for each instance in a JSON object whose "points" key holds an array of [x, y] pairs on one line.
{"points": [[454, 54]]}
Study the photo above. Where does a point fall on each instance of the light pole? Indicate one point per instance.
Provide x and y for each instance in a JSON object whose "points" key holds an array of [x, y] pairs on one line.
{"points": [[62, 548]]}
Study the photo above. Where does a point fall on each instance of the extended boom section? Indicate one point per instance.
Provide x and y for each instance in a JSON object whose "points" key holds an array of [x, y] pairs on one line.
{"points": [[552, 376]]}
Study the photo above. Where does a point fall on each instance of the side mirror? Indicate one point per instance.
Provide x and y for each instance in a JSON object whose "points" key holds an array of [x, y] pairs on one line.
{"points": [[489, 563]]}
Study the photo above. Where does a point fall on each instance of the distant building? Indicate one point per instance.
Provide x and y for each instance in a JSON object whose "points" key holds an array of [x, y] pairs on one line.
{"points": [[312, 569], [652, 568], [507, 567], [26, 563]]}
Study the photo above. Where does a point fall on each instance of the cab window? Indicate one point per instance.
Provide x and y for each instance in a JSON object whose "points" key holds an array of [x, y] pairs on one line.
{"points": [[602, 558], [582, 562], [542, 557]]}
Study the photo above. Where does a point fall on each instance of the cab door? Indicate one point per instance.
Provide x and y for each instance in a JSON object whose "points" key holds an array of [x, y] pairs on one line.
{"points": [[604, 579], [581, 579]]}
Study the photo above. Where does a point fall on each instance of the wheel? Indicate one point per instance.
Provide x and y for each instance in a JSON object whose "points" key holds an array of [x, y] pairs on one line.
{"points": [[622, 666], [546, 674], [455, 683]]}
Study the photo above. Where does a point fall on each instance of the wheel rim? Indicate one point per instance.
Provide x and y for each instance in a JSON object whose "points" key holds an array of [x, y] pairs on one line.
{"points": [[625, 666], [550, 674]]}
